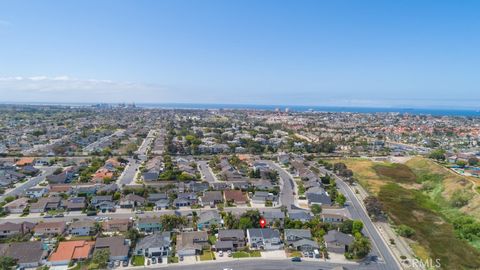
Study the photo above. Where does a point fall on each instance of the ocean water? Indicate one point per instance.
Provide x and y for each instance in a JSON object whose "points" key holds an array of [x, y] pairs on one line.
{"points": [[292, 108], [298, 108]]}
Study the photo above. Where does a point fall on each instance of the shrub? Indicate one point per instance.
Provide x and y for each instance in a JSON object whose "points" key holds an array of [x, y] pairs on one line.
{"points": [[405, 231]]}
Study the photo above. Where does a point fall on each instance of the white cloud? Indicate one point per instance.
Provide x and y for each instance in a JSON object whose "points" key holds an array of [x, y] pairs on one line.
{"points": [[68, 89]]}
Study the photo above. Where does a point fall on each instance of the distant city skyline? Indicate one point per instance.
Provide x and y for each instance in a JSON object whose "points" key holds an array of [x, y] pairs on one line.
{"points": [[313, 53]]}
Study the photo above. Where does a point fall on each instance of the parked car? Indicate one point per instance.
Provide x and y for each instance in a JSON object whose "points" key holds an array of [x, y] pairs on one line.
{"points": [[296, 259], [59, 215], [220, 253], [229, 253], [154, 260], [125, 264], [180, 258]]}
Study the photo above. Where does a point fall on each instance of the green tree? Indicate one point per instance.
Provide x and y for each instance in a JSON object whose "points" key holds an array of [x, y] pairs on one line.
{"points": [[7, 263], [347, 226], [249, 219], [230, 221], [316, 209], [473, 161], [357, 226], [359, 248], [101, 257], [461, 163], [9, 199], [340, 199], [438, 154], [405, 231], [117, 195], [169, 222], [133, 235]]}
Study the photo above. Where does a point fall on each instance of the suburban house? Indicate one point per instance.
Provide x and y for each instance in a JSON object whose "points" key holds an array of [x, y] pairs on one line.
{"points": [[299, 215], [150, 176], [154, 245], [283, 158], [71, 251], [185, 199], [198, 186], [9, 229], [207, 219], [230, 240], [149, 224], [266, 239], [27, 254], [45, 204], [318, 198], [106, 206], [160, 200], [211, 198], [162, 204], [333, 218], [36, 192], [82, 228], [99, 199], [260, 197], [132, 201], [60, 188], [154, 197], [337, 242], [220, 186], [17, 206], [117, 245], [273, 215], [192, 243], [102, 174], [74, 204], [24, 161], [300, 239], [49, 229], [116, 225], [235, 196]]}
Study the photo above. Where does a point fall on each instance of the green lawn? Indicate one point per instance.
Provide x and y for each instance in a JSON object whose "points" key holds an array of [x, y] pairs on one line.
{"points": [[255, 253], [243, 254], [138, 260], [207, 256], [295, 254], [240, 254]]}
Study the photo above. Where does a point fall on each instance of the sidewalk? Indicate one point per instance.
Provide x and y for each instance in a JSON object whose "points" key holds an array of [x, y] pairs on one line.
{"points": [[401, 247]]}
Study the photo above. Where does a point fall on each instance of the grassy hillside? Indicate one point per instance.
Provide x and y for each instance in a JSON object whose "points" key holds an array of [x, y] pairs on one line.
{"points": [[422, 195]]}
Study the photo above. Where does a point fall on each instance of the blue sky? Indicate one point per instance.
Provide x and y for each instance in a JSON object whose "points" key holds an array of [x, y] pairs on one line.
{"points": [[354, 53]]}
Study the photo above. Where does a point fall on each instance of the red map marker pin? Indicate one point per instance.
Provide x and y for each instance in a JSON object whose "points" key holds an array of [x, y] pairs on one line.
{"points": [[262, 222]]}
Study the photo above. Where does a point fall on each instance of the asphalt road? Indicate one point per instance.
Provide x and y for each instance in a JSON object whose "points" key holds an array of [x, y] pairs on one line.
{"points": [[129, 172], [286, 185], [30, 183], [119, 214], [354, 206], [147, 142], [206, 172], [267, 264]]}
